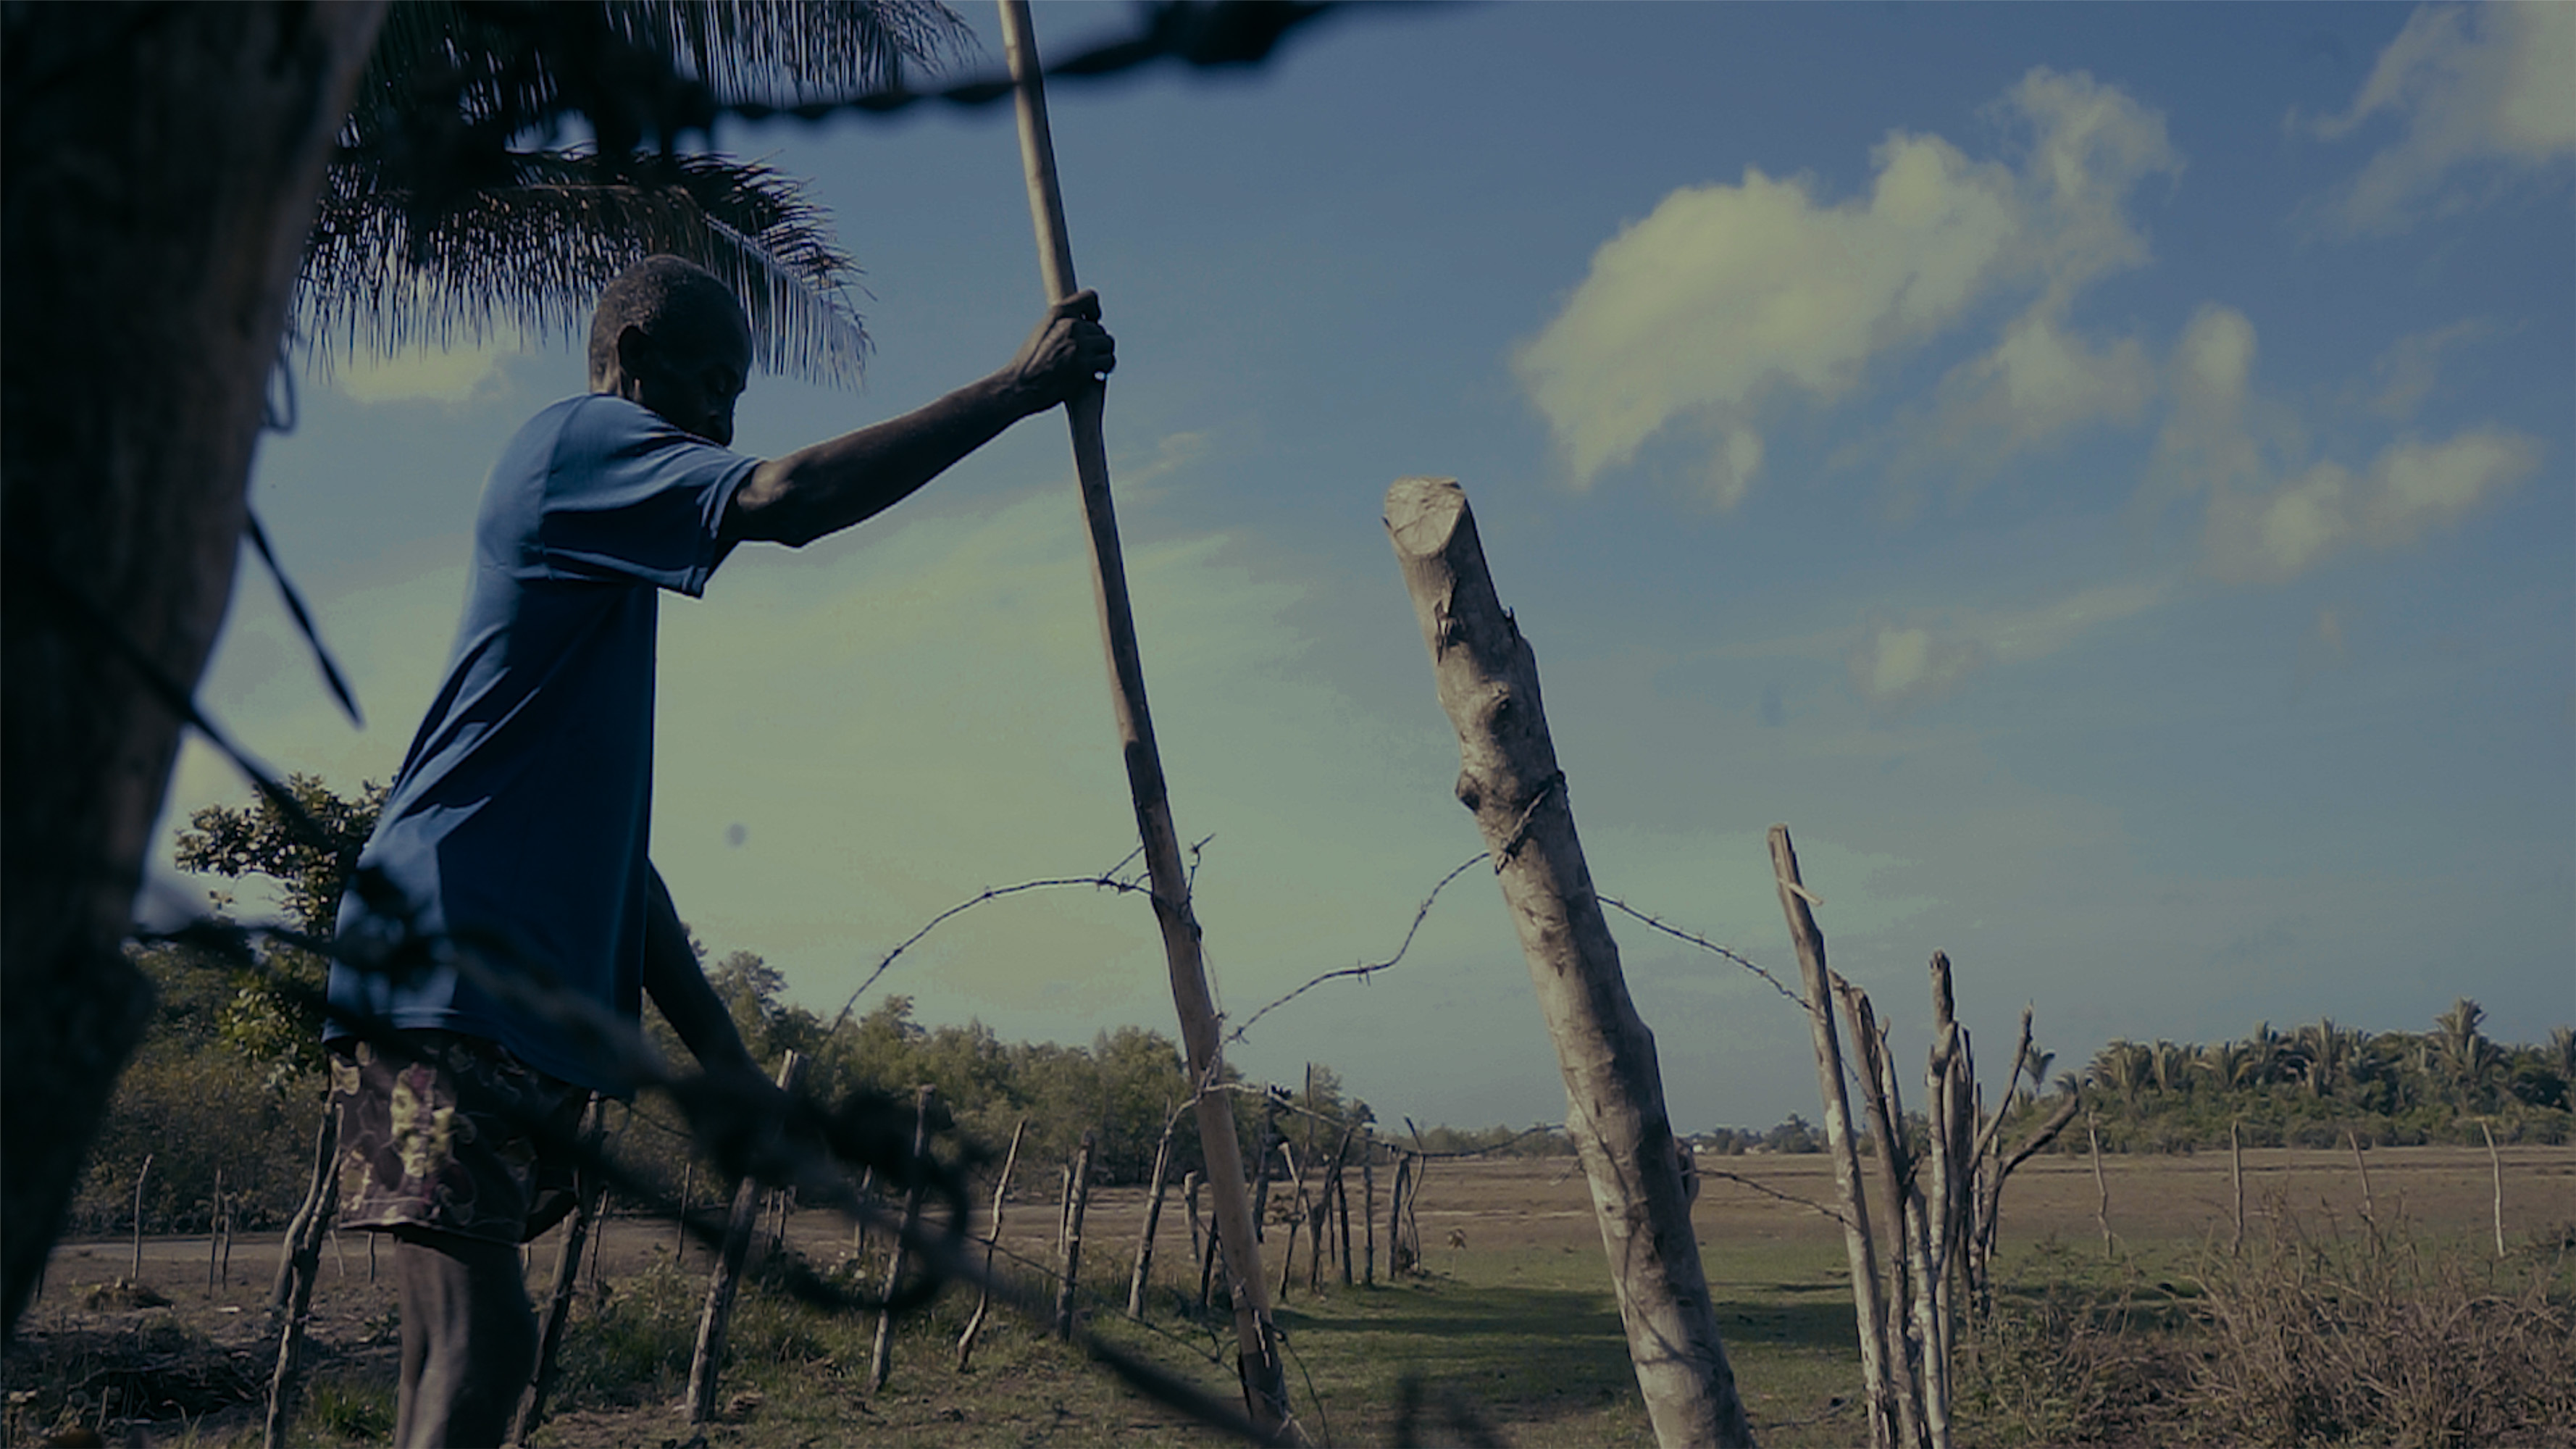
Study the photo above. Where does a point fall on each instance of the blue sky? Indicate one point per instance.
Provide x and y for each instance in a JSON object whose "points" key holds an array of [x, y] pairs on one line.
{"points": [[2101, 474]]}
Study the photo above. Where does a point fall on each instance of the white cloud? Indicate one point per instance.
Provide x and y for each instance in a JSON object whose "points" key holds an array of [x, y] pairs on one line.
{"points": [[2274, 513], [2407, 369], [422, 374], [1725, 296], [1899, 665], [2410, 488], [2467, 85]]}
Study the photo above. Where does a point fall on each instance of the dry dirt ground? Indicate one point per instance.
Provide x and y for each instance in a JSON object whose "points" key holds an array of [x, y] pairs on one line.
{"points": [[149, 1370]]}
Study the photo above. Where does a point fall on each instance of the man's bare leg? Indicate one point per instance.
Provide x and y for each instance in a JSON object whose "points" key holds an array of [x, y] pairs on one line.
{"points": [[469, 1340]]}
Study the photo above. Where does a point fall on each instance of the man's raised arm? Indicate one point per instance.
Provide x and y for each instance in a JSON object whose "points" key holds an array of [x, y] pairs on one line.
{"points": [[829, 486]]}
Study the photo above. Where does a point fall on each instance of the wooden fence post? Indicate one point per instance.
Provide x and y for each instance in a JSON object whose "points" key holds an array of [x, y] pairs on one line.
{"points": [[925, 1107], [992, 1240], [1860, 1246], [1077, 1186], [1904, 1357], [1368, 1214], [1153, 1220], [588, 1197], [300, 1262], [1190, 1202], [215, 1231], [2102, 1185], [1487, 680], [707, 1360], [2496, 1165], [1261, 1165]]}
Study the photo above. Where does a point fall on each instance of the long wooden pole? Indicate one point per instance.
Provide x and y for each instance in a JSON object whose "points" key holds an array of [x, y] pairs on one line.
{"points": [[1265, 1383]]}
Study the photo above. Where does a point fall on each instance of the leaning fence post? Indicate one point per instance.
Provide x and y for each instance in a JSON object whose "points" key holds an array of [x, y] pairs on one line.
{"points": [[302, 1253], [587, 1200], [925, 1107], [1487, 680], [992, 1241], [1859, 1245], [2496, 1165], [1153, 1220], [707, 1359]]}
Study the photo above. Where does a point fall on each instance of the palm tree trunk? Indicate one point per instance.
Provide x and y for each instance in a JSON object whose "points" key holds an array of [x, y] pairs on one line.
{"points": [[161, 164]]}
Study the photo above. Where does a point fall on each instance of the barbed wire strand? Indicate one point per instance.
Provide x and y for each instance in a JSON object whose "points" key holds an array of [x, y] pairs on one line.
{"points": [[1364, 972]]}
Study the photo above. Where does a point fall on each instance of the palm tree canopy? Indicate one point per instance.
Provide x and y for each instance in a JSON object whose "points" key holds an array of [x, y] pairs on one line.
{"points": [[411, 248]]}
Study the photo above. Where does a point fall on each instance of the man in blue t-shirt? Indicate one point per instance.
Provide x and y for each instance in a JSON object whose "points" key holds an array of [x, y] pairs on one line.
{"points": [[514, 837]]}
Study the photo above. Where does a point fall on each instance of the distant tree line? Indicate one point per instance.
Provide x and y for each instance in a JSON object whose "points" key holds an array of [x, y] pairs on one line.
{"points": [[2313, 1084]]}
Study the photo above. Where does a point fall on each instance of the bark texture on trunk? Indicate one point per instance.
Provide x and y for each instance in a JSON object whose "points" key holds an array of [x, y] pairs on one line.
{"points": [[1487, 679], [158, 170]]}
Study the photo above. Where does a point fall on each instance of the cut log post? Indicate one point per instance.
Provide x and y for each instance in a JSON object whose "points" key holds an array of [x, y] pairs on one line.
{"points": [[1144, 1274], [1264, 1375], [587, 1200], [925, 1111], [1860, 1247], [706, 1362], [992, 1241], [1487, 679], [1077, 1197]]}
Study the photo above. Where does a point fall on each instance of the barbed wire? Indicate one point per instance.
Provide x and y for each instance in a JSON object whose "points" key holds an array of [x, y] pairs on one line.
{"points": [[1706, 944], [1366, 971]]}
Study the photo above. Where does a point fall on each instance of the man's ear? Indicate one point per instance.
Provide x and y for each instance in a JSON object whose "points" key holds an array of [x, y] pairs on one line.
{"points": [[634, 350]]}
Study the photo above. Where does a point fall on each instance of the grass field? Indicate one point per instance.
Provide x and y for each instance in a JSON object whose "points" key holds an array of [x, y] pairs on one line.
{"points": [[1508, 1334]]}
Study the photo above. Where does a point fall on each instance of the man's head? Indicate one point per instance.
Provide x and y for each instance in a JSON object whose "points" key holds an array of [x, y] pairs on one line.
{"points": [[668, 336]]}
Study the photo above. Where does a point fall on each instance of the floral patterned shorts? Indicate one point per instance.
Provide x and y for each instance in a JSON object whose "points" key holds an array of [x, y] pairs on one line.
{"points": [[444, 1141]]}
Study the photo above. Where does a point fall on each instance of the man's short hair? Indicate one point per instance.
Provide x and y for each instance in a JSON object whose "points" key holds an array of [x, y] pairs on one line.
{"points": [[648, 294]]}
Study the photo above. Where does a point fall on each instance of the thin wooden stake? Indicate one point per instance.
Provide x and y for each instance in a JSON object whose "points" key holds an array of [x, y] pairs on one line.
{"points": [[992, 1240], [706, 1362], [2495, 1164], [587, 1200], [145, 1171], [1265, 1382], [1860, 1248], [2102, 1185], [925, 1109], [1144, 1273], [1077, 1197], [215, 1231], [2236, 1180], [2367, 1214]]}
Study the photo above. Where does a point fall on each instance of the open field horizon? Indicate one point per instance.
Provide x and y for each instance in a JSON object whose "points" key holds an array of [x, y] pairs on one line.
{"points": [[1510, 1325]]}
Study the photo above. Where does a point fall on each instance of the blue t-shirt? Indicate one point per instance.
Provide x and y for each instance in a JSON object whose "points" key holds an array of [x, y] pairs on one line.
{"points": [[523, 811]]}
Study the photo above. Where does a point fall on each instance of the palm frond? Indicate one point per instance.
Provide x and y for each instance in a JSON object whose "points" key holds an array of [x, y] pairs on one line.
{"points": [[782, 52], [533, 253]]}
